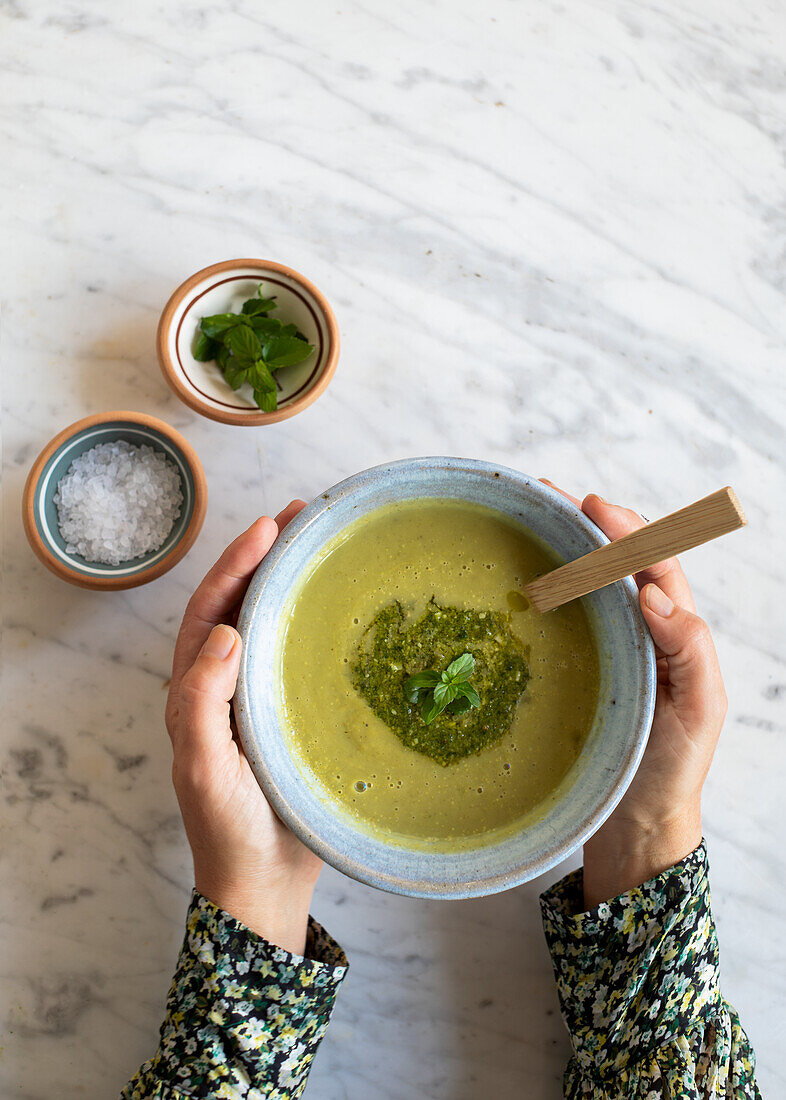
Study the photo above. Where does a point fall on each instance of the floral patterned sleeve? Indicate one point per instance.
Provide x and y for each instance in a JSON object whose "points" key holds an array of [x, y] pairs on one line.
{"points": [[637, 979], [244, 1018]]}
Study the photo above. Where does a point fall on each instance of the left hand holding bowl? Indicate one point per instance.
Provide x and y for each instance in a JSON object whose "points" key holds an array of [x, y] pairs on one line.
{"points": [[245, 860]]}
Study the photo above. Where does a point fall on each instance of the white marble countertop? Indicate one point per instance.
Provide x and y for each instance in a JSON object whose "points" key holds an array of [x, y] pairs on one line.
{"points": [[553, 235]]}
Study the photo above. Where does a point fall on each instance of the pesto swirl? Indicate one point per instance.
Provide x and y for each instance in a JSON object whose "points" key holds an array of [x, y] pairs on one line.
{"points": [[395, 646]]}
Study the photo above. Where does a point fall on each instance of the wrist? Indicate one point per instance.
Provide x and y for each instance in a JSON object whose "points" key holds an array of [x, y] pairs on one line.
{"points": [[274, 908], [625, 853]]}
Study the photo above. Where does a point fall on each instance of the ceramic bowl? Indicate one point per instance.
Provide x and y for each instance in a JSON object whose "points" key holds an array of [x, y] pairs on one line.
{"points": [[39, 511], [593, 786], [223, 288]]}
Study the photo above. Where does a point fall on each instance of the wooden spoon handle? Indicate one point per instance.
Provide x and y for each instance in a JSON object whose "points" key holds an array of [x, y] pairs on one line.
{"points": [[708, 518]]}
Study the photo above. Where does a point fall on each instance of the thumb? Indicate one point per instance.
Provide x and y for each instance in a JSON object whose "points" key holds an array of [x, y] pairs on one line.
{"points": [[694, 680], [205, 691]]}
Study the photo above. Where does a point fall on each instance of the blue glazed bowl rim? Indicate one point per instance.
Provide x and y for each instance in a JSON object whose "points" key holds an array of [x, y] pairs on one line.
{"points": [[314, 513]]}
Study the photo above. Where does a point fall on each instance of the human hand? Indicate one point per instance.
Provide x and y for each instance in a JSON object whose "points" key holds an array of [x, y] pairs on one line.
{"points": [[658, 821], [245, 860]]}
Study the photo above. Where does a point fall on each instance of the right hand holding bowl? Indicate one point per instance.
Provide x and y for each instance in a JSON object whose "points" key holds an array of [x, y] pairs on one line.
{"points": [[658, 821]]}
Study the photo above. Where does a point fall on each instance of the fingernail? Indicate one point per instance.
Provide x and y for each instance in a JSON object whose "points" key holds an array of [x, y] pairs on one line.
{"points": [[600, 498], [658, 601], [220, 642]]}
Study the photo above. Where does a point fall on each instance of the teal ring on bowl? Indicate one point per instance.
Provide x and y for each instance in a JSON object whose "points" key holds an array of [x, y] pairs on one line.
{"points": [[595, 783], [41, 517]]}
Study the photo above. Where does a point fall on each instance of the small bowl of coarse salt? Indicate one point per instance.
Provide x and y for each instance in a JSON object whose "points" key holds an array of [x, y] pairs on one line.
{"points": [[114, 500]]}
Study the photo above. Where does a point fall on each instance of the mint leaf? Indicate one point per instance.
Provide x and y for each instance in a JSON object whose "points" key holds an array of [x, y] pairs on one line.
{"points": [[205, 348], [219, 323], [258, 305], [235, 375], [285, 351], [293, 330], [430, 710], [249, 345], [260, 377], [460, 670], [243, 342], [449, 690], [421, 682], [266, 326], [468, 692], [268, 402], [444, 694], [264, 386]]}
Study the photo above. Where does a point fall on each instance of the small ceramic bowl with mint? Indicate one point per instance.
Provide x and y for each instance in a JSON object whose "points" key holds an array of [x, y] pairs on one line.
{"points": [[248, 342], [114, 501]]}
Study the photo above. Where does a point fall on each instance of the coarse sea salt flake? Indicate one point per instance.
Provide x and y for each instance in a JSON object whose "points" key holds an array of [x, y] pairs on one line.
{"points": [[118, 502]]}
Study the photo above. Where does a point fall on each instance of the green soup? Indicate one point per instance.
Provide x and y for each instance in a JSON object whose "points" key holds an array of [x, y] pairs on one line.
{"points": [[416, 555]]}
